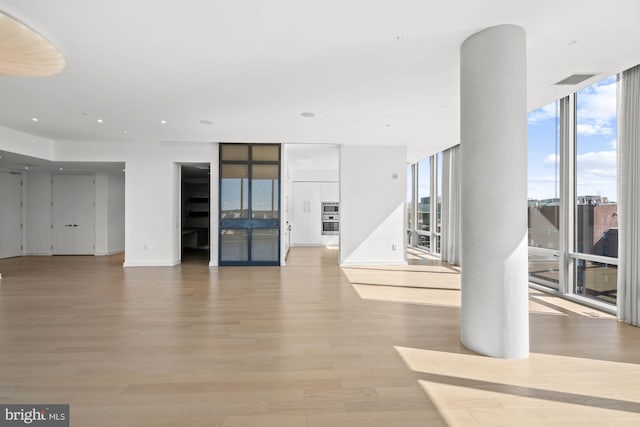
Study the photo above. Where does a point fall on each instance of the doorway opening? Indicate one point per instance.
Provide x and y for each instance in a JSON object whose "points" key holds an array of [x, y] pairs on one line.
{"points": [[195, 213]]}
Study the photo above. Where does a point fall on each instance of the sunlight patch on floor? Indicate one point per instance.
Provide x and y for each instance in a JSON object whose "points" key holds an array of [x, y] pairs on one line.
{"points": [[470, 389], [440, 286], [437, 297]]}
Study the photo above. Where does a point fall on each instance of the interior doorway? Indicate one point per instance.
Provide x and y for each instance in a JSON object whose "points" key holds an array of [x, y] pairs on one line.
{"points": [[195, 213]]}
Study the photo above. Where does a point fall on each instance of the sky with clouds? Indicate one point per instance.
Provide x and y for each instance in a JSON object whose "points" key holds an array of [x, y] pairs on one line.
{"points": [[596, 144]]}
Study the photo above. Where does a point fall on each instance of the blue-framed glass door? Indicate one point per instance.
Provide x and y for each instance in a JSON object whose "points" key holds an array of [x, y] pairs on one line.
{"points": [[249, 204]]}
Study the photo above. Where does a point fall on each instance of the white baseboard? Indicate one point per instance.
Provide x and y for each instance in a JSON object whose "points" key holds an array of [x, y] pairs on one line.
{"points": [[151, 263], [36, 253], [213, 264], [108, 253]]}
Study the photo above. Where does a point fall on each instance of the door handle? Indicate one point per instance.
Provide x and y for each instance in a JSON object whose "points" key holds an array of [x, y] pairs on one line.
{"points": [[68, 225], [75, 225]]}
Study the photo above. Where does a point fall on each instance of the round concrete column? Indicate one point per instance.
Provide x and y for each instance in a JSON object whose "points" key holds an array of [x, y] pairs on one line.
{"points": [[493, 133]]}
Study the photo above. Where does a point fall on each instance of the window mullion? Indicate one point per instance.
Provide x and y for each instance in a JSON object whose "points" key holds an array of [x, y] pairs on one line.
{"points": [[567, 191]]}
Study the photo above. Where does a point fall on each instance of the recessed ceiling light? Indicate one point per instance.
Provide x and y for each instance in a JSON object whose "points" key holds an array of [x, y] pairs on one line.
{"points": [[164, 122], [26, 167], [61, 169], [307, 114], [125, 132], [35, 119], [206, 122], [100, 121]]}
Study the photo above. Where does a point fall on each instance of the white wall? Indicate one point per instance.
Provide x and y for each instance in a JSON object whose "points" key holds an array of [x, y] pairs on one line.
{"points": [[372, 201], [10, 214], [23, 143], [116, 214], [37, 207], [110, 213], [82, 151], [102, 214], [152, 218]]}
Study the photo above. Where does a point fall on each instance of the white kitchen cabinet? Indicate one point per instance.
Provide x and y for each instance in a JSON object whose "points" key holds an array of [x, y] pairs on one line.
{"points": [[330, 192], [306, 222]]}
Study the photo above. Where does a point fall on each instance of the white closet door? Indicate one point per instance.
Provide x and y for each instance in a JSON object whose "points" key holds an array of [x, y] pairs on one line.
{"points": [[74, 214], [314, 228], [300, 219], [306, 225], [10, 215]]}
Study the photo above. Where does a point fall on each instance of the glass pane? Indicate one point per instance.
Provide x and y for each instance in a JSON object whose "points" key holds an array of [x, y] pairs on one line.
{"points": [[234, 191], [237, 152], [409, 203], [596, 173], [264, 245], [424, 199], [543, 179], [263, 153], [596, 280], [424, 240], [264, 191], [234, 245], [544, 269]]}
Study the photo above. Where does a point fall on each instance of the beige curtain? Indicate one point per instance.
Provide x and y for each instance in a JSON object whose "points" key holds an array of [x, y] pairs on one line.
{"points": [[450, 246], [629, 196]]}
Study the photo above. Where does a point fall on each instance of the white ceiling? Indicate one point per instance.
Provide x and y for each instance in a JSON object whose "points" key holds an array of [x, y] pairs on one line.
{"points": [[372, 71]]}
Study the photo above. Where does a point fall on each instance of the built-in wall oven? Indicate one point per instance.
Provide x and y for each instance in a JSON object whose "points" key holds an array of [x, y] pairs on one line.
{"points": [[330, 218]]}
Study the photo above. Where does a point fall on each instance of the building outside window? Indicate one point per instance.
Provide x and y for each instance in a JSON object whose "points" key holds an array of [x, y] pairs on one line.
{"points": [[596, 210], [424, 213], [585, 230], [544, 195]]}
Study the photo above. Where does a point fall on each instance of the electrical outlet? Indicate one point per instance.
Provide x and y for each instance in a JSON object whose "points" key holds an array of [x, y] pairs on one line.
{"points": [[394, 247]]}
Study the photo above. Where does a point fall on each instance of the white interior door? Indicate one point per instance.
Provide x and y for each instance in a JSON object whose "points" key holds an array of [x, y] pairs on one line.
{"points": [[10, 215], [74, 215]]}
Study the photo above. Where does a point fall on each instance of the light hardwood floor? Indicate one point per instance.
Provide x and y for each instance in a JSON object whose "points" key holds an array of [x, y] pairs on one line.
{"points": [[308, 344]]}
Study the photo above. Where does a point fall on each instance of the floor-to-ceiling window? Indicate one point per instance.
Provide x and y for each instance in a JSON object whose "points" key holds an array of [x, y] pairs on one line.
{"points": [[410, 205], [596, 209], [572, 154], [544, 195], [423, 220], [249, 204]]}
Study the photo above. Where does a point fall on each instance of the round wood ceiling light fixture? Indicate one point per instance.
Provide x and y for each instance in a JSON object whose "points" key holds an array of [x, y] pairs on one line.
{"points": [[25, 53]]}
